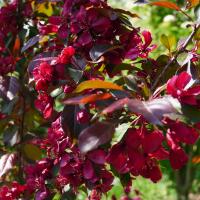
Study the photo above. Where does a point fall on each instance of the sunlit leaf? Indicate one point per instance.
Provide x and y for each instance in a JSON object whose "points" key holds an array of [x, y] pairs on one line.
{"points": [[43, 8], [6, 163], [168, 41], [196, 159], [166, 4], [192, 3], [96, 84]]}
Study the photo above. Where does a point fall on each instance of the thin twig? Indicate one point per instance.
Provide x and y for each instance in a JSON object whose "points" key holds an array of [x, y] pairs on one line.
{"points": [[21, 133], [182, 49]]}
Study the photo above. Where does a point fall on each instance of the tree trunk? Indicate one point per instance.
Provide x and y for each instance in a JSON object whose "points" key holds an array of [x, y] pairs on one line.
{"points": [[184, 178]]}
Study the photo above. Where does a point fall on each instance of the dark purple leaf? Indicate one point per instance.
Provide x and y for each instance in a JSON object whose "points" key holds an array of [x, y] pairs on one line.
{"points": [[11, 136], [155, 109], [9, 86], [116, 106], [69, 122], [95, 135], [100, 49], [30, 43], [152, 110]]}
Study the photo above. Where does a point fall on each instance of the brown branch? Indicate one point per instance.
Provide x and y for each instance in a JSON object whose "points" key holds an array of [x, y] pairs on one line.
{"points": [[21, 134], [182, 49]]}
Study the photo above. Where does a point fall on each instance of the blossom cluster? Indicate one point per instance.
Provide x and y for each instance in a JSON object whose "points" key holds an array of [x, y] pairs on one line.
{"points": [[90, 41]]}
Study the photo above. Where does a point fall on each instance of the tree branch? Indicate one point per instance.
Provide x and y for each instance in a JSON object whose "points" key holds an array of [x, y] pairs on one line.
{"points": [[182, 49]]}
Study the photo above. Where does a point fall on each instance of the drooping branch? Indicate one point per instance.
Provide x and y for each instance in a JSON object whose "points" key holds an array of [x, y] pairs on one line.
{"points": [[182, 49]]}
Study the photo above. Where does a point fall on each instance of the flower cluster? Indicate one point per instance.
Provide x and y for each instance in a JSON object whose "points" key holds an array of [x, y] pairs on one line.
{"points": [[14, 191], [8, 24], [81, 48]]}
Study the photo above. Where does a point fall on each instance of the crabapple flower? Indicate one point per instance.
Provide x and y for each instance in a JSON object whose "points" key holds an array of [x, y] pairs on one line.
{"points": [[177, 86]]}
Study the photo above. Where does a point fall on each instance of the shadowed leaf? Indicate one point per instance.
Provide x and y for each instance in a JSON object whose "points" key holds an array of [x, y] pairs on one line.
{"points": [[9, 87], [95, 135], [100, 49], [69, 122], [30, 43]]}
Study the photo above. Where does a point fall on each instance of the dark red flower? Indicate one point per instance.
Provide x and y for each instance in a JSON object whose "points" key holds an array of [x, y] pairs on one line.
{"points": [[66, 55], [83, 116], [178, 158], [88, 170], [179, 86], [152, 141], [182, 132], [7, 64], [97, 156], [43, 74], [44, 103], [118, 158]]}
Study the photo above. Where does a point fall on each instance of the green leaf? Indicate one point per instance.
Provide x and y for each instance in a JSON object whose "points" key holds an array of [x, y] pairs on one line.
{"points": [[168, 41], [57, 196], [191, 113], [32, 152], [75, 74]]}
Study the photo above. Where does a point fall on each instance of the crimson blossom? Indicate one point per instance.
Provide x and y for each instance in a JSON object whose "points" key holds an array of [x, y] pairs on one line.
{"points": [[83, 72]]}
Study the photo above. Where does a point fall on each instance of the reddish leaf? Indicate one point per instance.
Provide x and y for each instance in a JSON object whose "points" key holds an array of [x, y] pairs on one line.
{"points": [[196, 159], [153, 110], [166, 4], [95, 135], [88, 98], [16, 46], [192, 3], [116, 106]]}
